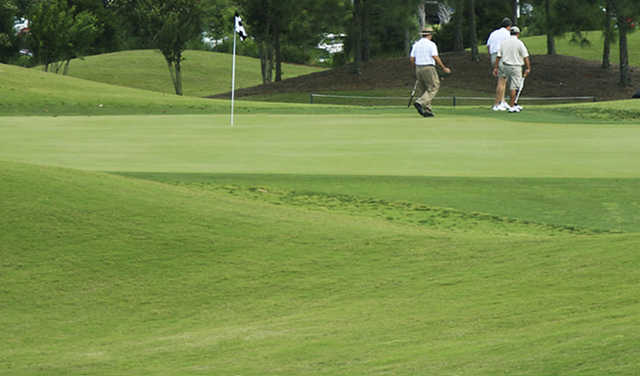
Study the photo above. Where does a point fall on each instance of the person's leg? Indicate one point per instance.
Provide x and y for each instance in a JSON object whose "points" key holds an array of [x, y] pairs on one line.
{"points": [[500, 88], [514, 74], [512, 100], [432, 83], [422, 86], [420, 89], [503, 83]]}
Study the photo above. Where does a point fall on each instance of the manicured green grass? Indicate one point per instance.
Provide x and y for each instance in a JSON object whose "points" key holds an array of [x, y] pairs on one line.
{"points": [[309, 239], [106, 275], [398, 143], [537, 45], [204, 73], [572, 174], [31, 92]]}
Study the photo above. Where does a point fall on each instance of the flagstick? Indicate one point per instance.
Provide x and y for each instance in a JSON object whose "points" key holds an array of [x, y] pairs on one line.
{"points": [[233, 73]]}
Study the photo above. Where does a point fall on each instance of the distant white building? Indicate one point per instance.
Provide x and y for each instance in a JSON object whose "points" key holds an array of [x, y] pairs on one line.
{"points": [[332, 43], [21, 25]]}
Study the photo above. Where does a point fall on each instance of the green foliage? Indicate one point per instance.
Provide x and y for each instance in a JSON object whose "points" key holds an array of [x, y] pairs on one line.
{"points": [[8, 39], [59, 33], [171, 25]]}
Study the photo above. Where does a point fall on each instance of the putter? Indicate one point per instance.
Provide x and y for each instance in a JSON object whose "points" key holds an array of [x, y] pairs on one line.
{"points": [[413, 93], [519, 91]]}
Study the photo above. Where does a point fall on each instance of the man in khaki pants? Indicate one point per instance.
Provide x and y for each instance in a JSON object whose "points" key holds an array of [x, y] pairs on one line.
{"points": [[424, 56]]}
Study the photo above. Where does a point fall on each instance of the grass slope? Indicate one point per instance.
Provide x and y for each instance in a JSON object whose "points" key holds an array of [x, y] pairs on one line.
{"points": [[32, 92], [204, 73], [537, 45], [574, 205], [104, 275]]}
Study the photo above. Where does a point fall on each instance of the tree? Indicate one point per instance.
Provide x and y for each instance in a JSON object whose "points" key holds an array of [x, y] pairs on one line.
{"points": [[273, 24], [171, 24], [473, 33], [382, 28], [608, 34], [458, 18], [58, 33], [8, 49], [624, 11]]}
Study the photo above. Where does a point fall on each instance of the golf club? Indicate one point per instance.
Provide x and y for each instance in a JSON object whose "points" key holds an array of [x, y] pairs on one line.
{"points": [[519, 90]]}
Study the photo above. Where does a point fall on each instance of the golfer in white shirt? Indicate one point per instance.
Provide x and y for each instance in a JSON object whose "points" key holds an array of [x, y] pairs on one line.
{"points": [[493, 45], [424, 57]]}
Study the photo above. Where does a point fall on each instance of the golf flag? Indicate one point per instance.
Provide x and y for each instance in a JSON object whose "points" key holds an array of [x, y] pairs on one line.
{"points": [[240, 27]]}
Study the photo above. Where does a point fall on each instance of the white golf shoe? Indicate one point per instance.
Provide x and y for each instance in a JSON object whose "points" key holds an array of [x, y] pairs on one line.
{"points": [[514, 109]]}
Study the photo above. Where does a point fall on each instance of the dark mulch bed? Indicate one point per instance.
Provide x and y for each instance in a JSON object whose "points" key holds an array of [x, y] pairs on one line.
{"points": [[551, 76]]}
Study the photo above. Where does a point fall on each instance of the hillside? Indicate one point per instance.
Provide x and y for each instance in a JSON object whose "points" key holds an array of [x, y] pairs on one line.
{"points": [[203, 72], [105, 275], [551, 76]]}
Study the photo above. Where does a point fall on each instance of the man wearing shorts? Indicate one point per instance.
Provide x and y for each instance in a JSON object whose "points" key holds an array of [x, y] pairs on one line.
{"points": [[493, 45], [424, 57], [513, 55]]}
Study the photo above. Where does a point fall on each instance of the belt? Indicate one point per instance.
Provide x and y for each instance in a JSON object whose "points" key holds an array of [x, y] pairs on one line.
{"points": [[427, 65], [513, 65]]}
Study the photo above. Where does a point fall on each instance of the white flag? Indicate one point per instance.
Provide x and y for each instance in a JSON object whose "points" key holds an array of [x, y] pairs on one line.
{"points": [[240, 28]]}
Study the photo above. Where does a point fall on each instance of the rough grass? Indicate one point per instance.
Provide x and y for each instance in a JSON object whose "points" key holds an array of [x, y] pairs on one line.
{"points": [[109, 275]]}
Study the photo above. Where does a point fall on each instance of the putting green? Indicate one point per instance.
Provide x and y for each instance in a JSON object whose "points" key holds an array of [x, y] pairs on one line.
{"points": [[396, 144]]}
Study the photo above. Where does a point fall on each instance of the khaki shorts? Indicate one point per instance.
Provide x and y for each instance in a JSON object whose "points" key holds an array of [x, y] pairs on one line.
{"points": [[513, 74], [494, 56]]}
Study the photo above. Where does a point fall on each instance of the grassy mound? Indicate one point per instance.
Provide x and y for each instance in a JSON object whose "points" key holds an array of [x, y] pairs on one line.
{"points": [[204, 73], [108, 275], [32, 92], [627, 110], [537, 45]]}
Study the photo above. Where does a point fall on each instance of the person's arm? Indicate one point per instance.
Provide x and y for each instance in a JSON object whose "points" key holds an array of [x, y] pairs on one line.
{"points": [[441, 64], [413, 62], [527, 63]]}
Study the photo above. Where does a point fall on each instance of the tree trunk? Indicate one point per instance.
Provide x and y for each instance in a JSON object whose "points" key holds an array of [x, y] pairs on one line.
{"points": [[178, 78], [278, 52], [173, 76], [266, 61], [473, 37], [458, 41], [364, 33], [407, 41], [356, 38], [623, 26], [551, 43], [421, 15], [514, 11], [608, 33]]}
